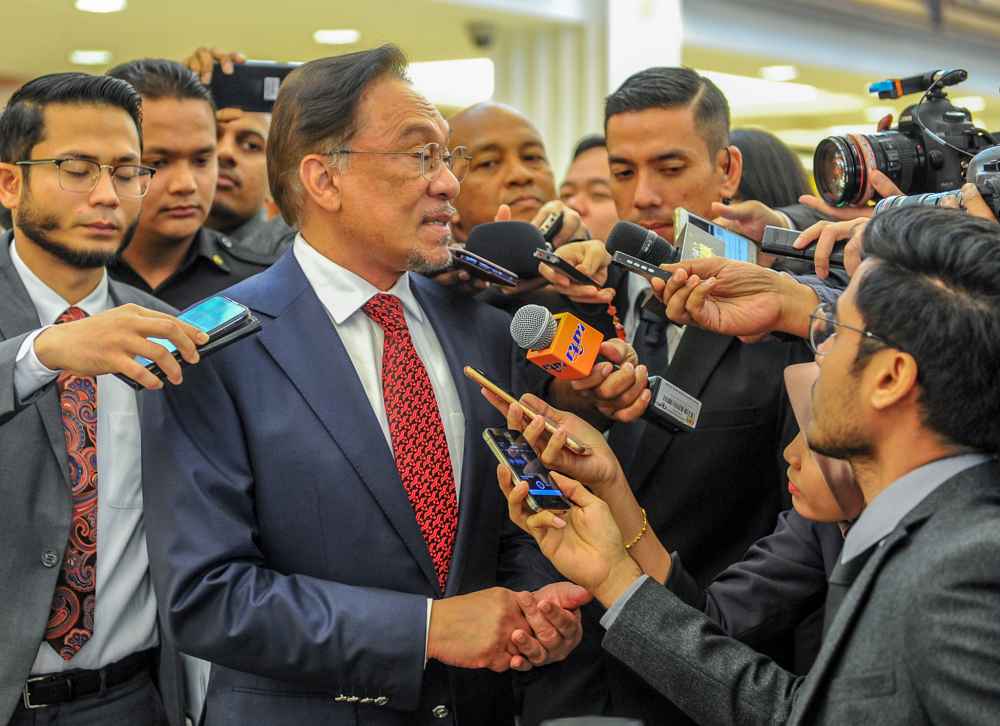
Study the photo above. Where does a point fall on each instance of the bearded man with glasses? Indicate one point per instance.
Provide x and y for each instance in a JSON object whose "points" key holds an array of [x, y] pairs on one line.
{"points": [[78, 624]]}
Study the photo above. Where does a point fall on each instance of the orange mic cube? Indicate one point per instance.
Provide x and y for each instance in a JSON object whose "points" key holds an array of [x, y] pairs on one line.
{"points": [[573, 350]]}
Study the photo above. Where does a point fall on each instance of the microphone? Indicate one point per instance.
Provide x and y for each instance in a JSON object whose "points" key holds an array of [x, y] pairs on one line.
{"points": [[566, 348], [508, 244], [561, 344], [642, 243]]}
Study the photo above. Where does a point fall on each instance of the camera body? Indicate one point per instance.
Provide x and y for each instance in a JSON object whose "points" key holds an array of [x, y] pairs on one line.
{"points": [[927, 152], [983, 171]]}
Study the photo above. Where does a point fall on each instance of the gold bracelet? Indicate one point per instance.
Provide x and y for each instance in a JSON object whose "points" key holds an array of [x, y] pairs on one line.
{"points": [[645, 526]]}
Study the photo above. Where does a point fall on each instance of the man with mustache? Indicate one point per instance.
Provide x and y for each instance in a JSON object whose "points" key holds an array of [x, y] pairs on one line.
{"points": [[78, 616], [173, 255]]}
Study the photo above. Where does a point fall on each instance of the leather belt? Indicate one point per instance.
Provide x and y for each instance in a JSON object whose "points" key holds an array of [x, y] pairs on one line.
{"points": [[42, 691]]}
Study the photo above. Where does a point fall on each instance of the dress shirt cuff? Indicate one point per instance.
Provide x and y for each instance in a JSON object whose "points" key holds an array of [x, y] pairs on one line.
{"points": [[427, 631], [825, 292], [789, 224], [618, 605], [30, 374]]}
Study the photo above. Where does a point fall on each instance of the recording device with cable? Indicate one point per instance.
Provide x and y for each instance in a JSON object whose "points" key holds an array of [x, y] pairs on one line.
{"points": [[927, 152], [566, 348]]}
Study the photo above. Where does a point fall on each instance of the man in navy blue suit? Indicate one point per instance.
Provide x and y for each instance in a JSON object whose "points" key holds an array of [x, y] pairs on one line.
{"points": [[323, 526]]}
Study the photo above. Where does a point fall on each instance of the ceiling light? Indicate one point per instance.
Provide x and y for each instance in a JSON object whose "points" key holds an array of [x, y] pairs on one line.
{"points": [[454, 82], [751, 96], [100, 6], [90, 57], [779, 73], [342, 36], [973, 103]]}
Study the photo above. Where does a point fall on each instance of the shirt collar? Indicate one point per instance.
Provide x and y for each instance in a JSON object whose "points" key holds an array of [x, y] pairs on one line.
{"points": [[887, 510], [48, 303], [341, 291]]}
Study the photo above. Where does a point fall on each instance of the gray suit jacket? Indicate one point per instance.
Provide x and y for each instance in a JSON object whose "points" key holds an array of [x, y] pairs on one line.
{"points": [[916, 639], [37, 506]]}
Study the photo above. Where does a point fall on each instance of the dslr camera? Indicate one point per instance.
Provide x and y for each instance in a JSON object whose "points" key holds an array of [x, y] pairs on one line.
{"points": [[930, 151]]}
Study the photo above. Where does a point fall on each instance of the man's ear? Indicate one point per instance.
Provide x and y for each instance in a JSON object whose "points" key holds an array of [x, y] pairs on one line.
{"points": [[730, 164], [322, 181], [10, 185], [895, 378]]}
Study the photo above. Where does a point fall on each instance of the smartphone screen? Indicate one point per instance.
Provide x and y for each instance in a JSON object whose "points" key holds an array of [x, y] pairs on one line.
{"points": [[512, 450], [715, 242], [212, 316]]}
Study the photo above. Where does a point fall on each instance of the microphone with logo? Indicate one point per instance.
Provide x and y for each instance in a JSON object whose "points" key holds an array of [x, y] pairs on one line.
{"points": [[566, 348]]}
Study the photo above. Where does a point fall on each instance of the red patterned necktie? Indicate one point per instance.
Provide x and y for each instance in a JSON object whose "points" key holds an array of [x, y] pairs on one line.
{"points": [[71, 620], [418, 441]]}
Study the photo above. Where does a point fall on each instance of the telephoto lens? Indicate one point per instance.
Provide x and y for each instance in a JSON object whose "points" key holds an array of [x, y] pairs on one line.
{"points": [[842, 165], [915, 200]]}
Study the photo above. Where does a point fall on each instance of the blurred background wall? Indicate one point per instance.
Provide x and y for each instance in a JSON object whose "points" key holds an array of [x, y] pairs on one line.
{"points": [[799, 68]]}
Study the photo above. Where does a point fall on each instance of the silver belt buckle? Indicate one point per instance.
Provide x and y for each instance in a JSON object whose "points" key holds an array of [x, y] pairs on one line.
{"points": [[26, 697]]}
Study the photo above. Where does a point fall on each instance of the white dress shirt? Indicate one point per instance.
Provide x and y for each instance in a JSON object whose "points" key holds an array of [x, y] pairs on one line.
{"points": [[125, 615], [639, 291], [343, 294]]}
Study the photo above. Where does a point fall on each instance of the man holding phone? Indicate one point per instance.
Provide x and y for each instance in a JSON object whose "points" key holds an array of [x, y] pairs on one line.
{"points": [[78, 623]]}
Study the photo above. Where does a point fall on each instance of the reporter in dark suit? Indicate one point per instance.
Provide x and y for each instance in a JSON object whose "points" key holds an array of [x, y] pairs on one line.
{"points": [[911, 632], [320, 529], [78, 627]]}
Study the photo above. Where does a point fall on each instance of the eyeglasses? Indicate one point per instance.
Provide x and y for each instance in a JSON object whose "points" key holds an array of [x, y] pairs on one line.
{"points": [[82, 176], [429, 157], [823, 326]]}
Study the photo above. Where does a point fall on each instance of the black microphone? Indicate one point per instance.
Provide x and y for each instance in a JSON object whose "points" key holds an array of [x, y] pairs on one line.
{"points": [[508, 244], [637, 241]]}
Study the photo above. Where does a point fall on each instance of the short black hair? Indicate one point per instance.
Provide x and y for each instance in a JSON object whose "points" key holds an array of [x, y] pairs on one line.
{"points": [[935, 293], [156, 78], [674, 87], [22, 124], [316, 112], [591, 141], [772, 173]]}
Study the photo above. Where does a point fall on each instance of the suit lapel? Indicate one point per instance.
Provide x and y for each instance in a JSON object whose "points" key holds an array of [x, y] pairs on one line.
{"points": [[697, 357], [18, 316], [459, 353], [303, 342]]}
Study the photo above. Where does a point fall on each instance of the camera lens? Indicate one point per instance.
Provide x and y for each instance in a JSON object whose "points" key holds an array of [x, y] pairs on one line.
{"points": [[837, 171], [842, 165], [932, 199]]}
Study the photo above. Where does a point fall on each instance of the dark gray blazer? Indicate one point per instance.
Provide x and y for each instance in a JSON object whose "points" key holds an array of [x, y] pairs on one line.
{"points": [[916, 639], [37, 506]]}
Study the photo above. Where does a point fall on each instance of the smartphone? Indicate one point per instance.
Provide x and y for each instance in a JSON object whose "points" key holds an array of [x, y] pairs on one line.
{"points": [[558, 264], [697, 237], [252, 86], [482, 268], [639, 267], [551, 226], [779, 241], [216, 316], [479, 377], [513, 451]]}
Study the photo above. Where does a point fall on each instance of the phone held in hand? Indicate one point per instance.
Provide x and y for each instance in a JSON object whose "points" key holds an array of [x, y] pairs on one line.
{"points": [[483, 269], [479, 377], [697, 237], [513, 452], [224, 320], [252, 86], [560, 265]]}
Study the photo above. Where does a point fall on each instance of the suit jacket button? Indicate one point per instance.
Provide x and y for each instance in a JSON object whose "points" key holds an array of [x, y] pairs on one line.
{"points": [[440, 712], [50, 558], [381, 700]]}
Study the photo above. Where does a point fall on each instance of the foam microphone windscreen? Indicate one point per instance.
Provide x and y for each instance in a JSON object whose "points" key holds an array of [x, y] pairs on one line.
{"points": [[508, 244], [635, 240]]}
